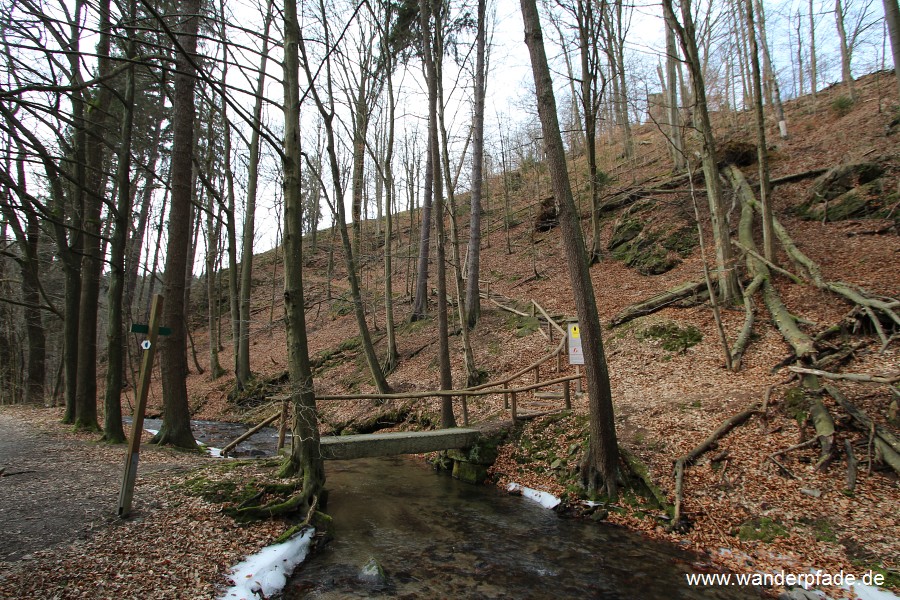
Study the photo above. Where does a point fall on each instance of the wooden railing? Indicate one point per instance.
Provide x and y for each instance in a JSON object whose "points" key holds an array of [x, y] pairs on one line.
{"points": [[502, 386]]}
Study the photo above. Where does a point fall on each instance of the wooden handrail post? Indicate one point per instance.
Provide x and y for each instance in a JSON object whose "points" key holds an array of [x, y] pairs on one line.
{"points": [[567, 396], [465, 409], [558, 362], [513, 408], [505, 399], [537, 374], [578, 389]]}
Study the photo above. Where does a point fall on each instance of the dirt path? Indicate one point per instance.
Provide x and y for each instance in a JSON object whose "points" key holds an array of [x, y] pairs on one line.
{"points": [[55, 490], [52, 491]]}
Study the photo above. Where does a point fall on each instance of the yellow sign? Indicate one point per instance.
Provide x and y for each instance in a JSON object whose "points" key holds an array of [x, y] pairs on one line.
{"points": [[576, 356]]}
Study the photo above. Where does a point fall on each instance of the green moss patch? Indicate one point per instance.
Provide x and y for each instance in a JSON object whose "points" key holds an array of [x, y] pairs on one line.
{"points": [[673, 337], [762, 529]]}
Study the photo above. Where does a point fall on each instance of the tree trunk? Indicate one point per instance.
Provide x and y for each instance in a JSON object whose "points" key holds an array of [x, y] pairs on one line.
{"points": [[770, 71], [339, 213], [305, 460], [813, 75], [113, 431], [243, 361], [92, 259], [433, 54], [420, 300], [846, 75], [762, 150], [600, 465], [176, 426], [473, 268], [687, 36], [675, 138]]}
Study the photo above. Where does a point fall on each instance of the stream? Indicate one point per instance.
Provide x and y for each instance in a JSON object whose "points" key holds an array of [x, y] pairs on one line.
{"points": [[436, 537]]}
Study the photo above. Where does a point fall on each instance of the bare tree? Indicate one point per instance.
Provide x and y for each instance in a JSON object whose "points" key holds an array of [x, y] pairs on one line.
{"points": [[599, 468], [686, 33], [473, 267], [176, 425], [305, 461], [243, 360]]}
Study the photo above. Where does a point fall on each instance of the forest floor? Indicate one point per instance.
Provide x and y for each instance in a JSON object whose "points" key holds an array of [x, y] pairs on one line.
{"points": [[747, 514]]}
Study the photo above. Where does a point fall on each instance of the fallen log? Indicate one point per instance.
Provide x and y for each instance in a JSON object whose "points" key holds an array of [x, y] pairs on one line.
{"points": [[698, 450], [681, 293], [268, 421], [885, 441]]}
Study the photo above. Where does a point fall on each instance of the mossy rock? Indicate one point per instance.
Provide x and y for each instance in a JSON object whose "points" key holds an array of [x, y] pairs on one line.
{"points": [[624, 231], [762, 529], [469, 472], [673, 337], [683, 241], [867, 200]]}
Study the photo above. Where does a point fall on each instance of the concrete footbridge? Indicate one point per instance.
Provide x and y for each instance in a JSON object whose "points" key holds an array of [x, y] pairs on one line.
{"points": [[345, 447]]}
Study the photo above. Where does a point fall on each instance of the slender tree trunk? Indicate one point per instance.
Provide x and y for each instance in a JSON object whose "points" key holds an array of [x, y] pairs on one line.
{"points": [[113, 431], [305, 460], [176, 426], [473, 268], [813, 75], [420, 301], [432, 53], [339, 214], [600, 465], [770, 71], [392, 356], [92, 259], [243, 362], [762, 150], [846, 75], [675, 137], [686, 34]]}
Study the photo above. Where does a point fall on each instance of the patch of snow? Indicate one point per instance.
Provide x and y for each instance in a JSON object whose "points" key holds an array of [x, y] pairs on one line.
{"points": [[216, 452], [545, 499], [268, 570], [151, 431], [870, 592]]}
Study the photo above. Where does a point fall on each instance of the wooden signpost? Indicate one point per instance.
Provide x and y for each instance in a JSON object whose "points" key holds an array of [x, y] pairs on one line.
{"points": [[140, 404]]}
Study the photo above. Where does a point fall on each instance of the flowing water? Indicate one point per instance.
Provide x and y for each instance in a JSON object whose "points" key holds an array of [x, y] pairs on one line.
{"points": [[436, 537]]}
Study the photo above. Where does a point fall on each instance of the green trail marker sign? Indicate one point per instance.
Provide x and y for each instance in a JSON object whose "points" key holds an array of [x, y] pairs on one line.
{"points": [[142, 328]]}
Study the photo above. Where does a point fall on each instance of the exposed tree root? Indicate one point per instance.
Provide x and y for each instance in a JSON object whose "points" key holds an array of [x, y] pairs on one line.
{"points": [[802, 344], [858, 377], [887, 444], [698, 450], [875, 306], [824, 424]]}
